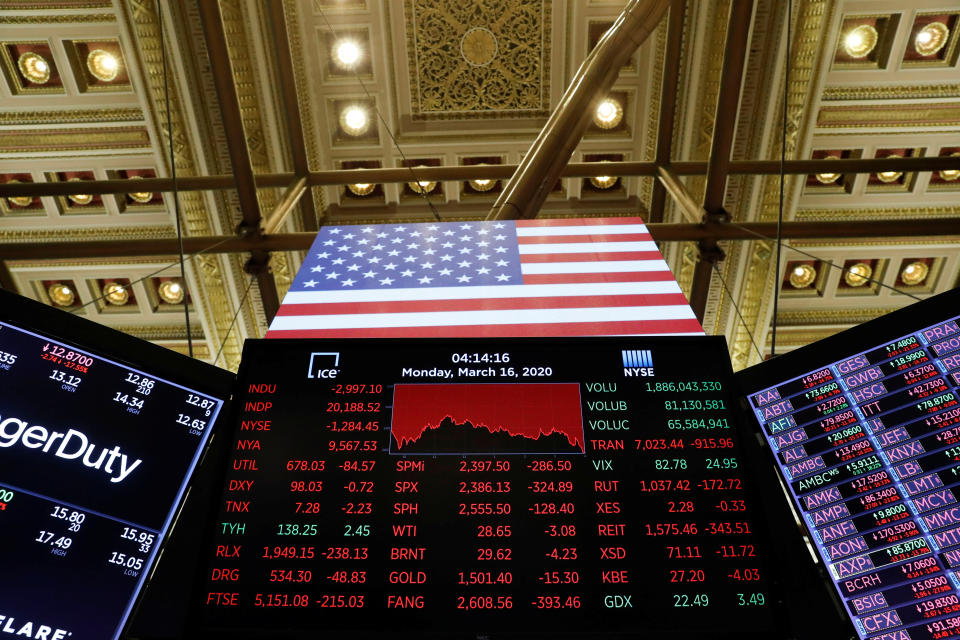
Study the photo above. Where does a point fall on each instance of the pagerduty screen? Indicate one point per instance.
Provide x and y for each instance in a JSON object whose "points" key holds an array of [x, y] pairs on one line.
{"points": [[94, 457]]}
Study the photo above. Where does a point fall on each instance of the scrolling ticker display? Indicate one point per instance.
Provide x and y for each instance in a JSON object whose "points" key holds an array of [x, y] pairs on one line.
{"points": [[490, 487], [94, 458], [866, 433]]}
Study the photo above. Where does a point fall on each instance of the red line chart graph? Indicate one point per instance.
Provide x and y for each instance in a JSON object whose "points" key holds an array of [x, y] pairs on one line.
{"points": [[487, 418]]}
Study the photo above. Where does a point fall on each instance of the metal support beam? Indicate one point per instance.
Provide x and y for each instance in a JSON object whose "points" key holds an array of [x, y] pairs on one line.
{"points": [[718, 168], [668, 105], [291, 108], [661, 232], [693, 212], [6, 278], [473, 172], [285, 206], [543, 164], [216, 37]]}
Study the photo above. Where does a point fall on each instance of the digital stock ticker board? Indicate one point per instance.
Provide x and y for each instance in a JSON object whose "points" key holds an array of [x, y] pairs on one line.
{"points": [[865, 428], [95, 453], [486, 488]]}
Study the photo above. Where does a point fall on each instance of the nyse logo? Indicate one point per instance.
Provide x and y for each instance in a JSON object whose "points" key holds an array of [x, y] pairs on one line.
{"points": [[320, 362], [637, 363]]}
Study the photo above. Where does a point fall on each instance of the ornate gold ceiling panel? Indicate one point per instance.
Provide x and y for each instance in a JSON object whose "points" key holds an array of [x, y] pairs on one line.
{"points": [[120, 114], [476, 59], [896, 92], [57, 141], [882, 116]]}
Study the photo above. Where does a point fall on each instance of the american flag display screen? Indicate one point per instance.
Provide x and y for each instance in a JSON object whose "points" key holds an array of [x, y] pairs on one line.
{"points": [[551, 277], [486, 488], [866, 434]]}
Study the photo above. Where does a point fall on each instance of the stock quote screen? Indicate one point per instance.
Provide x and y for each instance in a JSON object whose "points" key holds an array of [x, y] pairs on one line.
{"points": [[484, 488], [868, 443], [94, 457]]}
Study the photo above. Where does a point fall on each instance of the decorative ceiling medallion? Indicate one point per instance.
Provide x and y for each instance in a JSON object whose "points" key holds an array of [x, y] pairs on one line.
{"points": [[458, 62], [931, 38], [860, 41], [858, 274], [34, 67], [61, 295], [478, 46], [103, 65], [914, 273], [116, 294], [802, 276]]}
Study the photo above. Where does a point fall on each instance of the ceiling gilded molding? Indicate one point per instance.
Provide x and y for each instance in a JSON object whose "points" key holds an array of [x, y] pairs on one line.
{"points": [[478, 59]]}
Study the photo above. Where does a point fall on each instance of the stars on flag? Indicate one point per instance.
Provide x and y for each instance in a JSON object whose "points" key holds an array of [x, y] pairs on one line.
{"points": [[419, 255]]}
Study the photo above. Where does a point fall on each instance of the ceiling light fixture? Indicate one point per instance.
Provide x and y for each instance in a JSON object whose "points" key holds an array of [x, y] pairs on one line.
{"points": [[860, 41], [346, 52], [422, 186], [609, 113], [82, 199], [603, 182], [802, 276], [143, 197], [828, 178], [354, 120], [931, 38], [171, 291], [951, 174], [890, 176], [116, 294], [34, 67], [361, 188], [103, 65], [61, 295], [914, 273], [19, 201], [858, 274]]}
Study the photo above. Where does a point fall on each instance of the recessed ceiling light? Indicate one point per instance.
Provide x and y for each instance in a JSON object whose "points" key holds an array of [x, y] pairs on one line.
{"points": [[914, 273], [143, 197], [422, 186], [890, 176], [116, 293], [931, 38], [860, 41], [609, 113], [603, 182], [61, 295], [354, 120], [828, 178], [81, 199], [802, 276], [346, 52], [19, 201], [361, 188], [858, 274], [103, 65], [171, 291], [34, 67], [951, 174]]}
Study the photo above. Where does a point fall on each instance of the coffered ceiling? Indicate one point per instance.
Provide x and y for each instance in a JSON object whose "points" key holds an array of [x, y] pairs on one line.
{"points": [[266, 92]]}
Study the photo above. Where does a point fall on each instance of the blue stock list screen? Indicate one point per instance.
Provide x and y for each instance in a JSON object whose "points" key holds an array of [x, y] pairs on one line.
{"points": [[869, 446]]}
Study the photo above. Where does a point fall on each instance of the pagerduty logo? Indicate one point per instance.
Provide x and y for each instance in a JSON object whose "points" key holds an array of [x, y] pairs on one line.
{"points": [[72, 445], [637, 362]]}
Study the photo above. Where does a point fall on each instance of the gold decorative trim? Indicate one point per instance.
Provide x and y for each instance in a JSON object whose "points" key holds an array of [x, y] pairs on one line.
{"points": [[830, 316], [122, 114], [897, 92], [60, 140], [800, 338], [165, 332], [45, 18], [929, 242], [902, 115], [894, 213], [63, 234]]}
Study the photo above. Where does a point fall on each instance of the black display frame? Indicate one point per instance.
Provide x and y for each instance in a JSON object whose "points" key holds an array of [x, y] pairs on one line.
{"points": [[773, 516], [122, 348], [865, 336]]}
